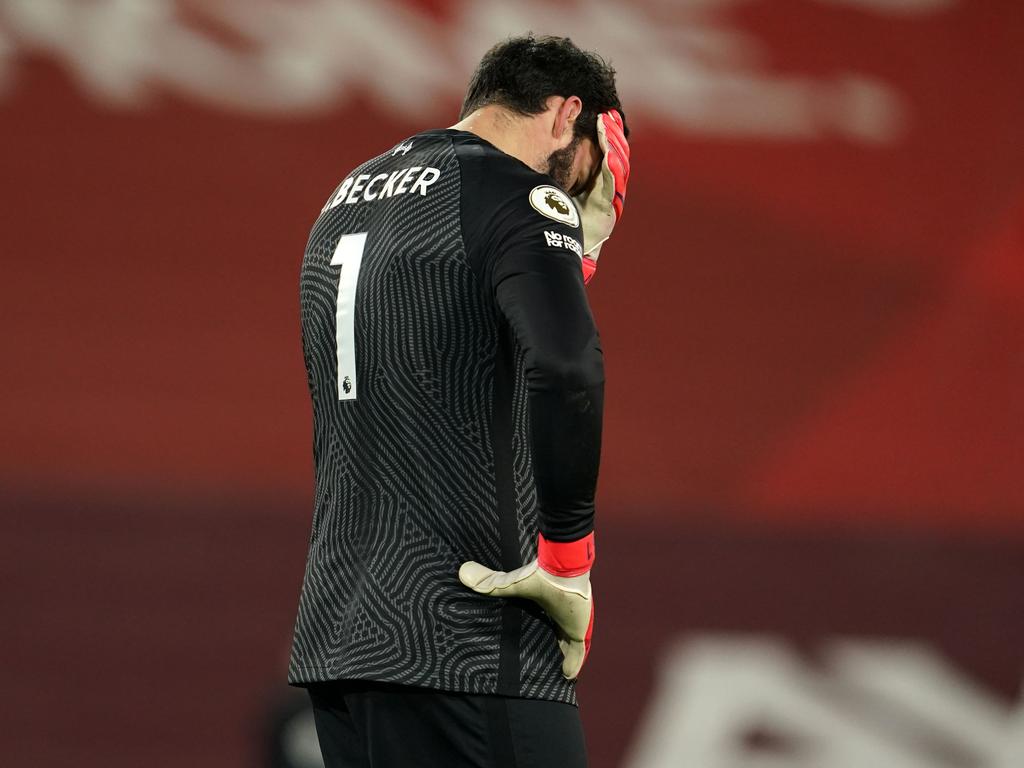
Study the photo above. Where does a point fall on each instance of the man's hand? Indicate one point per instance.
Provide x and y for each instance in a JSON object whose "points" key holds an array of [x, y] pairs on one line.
{"points": [[601, 206], [559, 582]]}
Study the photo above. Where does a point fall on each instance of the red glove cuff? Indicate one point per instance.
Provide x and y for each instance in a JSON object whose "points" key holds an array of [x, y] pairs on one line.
{"points": [[566, 558], [589, 268]]}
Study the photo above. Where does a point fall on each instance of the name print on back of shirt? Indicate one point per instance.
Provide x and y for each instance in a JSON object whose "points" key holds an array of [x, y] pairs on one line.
{"points": [[365, 187]]}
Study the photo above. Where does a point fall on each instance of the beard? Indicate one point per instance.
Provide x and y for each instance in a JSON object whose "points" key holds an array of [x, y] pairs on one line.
{"points": [[560, 163]]}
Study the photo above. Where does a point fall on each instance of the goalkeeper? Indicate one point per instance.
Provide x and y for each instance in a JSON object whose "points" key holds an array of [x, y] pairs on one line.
{"points": [[457, 385]]}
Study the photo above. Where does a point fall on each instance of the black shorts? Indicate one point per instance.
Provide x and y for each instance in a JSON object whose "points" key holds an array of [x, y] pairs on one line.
{"points": [[378, 725]]}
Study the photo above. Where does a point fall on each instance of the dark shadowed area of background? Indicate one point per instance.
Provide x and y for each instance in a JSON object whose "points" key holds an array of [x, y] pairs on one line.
{"points": [[811, 509]]}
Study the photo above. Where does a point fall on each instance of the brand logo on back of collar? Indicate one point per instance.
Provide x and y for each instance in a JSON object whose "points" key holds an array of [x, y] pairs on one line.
{"points": [[555, 204]]}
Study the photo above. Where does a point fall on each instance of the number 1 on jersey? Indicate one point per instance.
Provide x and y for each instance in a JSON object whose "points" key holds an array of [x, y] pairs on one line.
{"points": [[349, 256]]}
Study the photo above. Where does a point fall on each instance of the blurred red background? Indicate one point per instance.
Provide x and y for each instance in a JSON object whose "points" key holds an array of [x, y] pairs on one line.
{"points": [[811, 315]]}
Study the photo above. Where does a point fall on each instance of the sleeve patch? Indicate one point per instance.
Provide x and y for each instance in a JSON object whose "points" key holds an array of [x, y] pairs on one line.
{"points": [[555, 204], [558, 240]]}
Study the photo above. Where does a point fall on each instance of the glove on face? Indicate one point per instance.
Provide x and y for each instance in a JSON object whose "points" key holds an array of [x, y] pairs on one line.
{"points": [[601, 206], [559, 582]]}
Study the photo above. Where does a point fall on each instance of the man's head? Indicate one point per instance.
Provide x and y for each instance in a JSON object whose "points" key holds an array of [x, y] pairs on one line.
{"points": [[562, 88]]}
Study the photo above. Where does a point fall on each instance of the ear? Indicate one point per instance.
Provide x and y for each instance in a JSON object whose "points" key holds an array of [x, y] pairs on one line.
{"points": [[565, 115]]}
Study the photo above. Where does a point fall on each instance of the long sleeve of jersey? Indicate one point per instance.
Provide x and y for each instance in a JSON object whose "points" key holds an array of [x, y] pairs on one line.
{"points": [[541, 295], [523, 235], [538, 285]]}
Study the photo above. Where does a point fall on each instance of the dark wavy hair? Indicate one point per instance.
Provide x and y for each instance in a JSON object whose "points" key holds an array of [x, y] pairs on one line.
{"points": [[521, 73]]}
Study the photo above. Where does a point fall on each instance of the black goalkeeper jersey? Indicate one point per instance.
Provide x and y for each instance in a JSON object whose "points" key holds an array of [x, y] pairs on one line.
{"points": [[457, 379]]}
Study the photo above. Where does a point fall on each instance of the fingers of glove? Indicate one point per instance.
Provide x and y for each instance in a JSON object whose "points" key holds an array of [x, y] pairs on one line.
{"points": [[615, 149], [574, 653], [602, 133], [619, 195], [618, 160], [617, 174], [616, 116], [615, 132], [616, 142], [616, 156], [482, 579], [590, 630]]}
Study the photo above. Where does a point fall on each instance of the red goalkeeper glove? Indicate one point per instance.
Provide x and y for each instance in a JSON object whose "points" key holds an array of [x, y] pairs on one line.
{"points": [[559, 582], [601, 206]]}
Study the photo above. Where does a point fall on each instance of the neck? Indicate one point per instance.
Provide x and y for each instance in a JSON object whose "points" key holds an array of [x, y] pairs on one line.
{"points": [[510, 133]]}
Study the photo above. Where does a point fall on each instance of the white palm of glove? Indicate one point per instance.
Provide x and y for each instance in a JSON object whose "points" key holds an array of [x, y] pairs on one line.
{"points": [[566, 599], [601, 206], [597, 217]]}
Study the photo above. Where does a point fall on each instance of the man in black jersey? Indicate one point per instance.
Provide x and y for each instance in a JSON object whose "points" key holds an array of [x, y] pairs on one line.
{"points": [[457, 383]]}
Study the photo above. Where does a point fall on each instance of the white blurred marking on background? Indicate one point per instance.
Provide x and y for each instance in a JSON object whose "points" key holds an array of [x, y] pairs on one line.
{"points": [[870, 703], [680, 63]]}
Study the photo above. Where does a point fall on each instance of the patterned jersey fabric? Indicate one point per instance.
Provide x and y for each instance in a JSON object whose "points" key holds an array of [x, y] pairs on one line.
{"points": [[441, 294]]}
